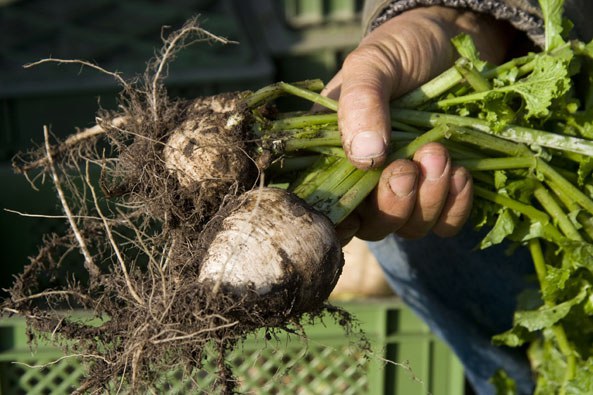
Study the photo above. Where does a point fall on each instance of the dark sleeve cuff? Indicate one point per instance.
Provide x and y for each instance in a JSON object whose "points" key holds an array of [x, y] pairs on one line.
{"points": [[524, 17]]}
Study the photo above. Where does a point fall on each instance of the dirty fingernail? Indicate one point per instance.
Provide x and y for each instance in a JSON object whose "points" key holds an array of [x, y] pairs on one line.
{"points": [[458, 183], [367, 146], [434, 165], [403, 184]]}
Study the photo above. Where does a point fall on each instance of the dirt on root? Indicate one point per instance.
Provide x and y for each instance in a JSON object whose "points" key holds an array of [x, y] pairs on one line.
{"points": [[134, 242]]}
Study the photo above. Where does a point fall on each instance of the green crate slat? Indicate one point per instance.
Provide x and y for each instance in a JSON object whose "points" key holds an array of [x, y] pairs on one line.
{"points": [[327, 363], [299, 26], [305, 13]]}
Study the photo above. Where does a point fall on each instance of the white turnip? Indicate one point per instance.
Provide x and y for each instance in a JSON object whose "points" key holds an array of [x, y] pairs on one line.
{"points": [[276, 248]]}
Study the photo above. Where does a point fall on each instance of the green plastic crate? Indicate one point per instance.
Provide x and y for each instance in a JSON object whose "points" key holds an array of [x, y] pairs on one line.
{"points": [[306, 13], [328, 363], [305, 38], [299, 26]]}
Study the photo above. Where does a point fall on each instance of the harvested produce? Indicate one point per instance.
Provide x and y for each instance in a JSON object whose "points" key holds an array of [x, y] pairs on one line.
{"points": [[176, 242], [184, 232]]}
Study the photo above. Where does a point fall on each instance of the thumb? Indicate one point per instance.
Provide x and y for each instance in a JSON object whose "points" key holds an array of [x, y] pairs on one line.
{"points": [[363, 112]]}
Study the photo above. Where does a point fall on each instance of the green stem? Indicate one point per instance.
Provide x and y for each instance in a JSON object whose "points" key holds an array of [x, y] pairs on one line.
{"points": [[436, 134], [490, 164], [561, 182], [473, 76], [276, 90], [304, 121], [585, 220], [514, 133], [448, 80], [403, 136], [297, 163], [527, 210], [545, 198], [404, 127], [334, 195], [309, 95], [506, 67], [309, 181], [566, 350], [488, 142], [430, 90], [485, 178], [461, 151], [352, 199], [329, 151], [339, 173], [539, 263], [310, 139], [323, 140]]}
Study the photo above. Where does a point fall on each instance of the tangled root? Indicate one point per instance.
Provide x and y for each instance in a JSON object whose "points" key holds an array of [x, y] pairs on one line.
{"points": [[135, 221]]}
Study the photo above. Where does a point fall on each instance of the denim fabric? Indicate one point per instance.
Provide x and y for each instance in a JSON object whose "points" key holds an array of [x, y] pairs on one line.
{"points": [[465, 295]]}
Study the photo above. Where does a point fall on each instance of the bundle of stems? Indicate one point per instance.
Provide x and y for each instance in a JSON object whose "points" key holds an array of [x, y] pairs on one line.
{"points": [[523, 131]]}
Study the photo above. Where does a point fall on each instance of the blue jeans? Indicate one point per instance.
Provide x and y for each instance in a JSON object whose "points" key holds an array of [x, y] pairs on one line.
{"points": [[465, 295]]}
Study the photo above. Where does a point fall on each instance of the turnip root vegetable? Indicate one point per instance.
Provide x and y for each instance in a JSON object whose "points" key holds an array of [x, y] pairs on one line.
{"points": [[274, 247], [178, 251], [207, 151]]}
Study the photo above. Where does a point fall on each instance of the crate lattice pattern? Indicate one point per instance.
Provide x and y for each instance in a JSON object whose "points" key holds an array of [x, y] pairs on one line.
{"points": [[299, 371]]}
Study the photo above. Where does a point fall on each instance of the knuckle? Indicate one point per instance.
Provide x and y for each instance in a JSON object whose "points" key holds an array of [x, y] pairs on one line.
{"points": [[366, 54], [373, 62]]}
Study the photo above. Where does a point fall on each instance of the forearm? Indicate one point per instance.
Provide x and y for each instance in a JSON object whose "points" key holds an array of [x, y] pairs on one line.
{"points": [[524, 15]]}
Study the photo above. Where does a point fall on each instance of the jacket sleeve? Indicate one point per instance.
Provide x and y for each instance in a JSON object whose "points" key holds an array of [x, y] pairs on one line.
{"points": [[524, 15]]}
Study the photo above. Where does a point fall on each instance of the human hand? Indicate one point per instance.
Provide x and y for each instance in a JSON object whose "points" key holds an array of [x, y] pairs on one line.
{"points": [[427, 193]]}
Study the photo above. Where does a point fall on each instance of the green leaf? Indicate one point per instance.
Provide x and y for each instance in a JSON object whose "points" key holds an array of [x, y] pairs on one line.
{"points": [[588, 307], [552, 11], [583, 382], [497, 112], [547, 316], [503, 384], [550, 365], [504, 226], [527, 230], [549, 80], [466, 48], [514, 337], [585, 169], [522, 189], [577, 254], [556, 278], [500, 179], [573, 216]]}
